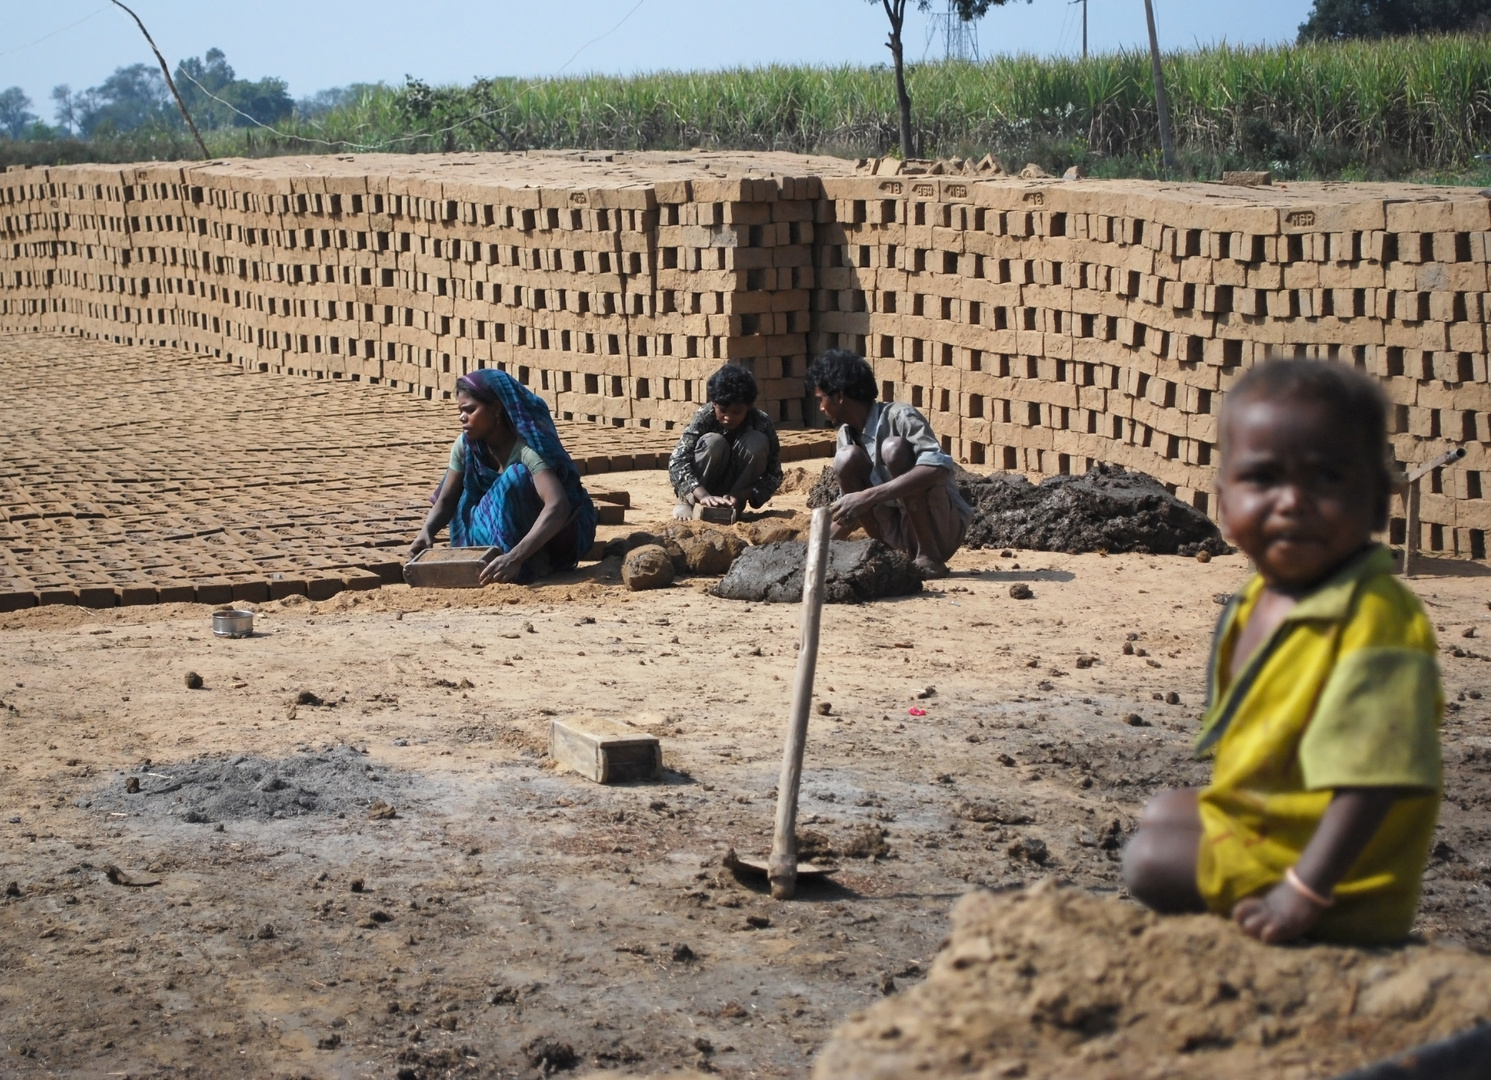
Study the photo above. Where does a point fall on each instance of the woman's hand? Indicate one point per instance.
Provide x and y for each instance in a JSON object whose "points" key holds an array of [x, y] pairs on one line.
{"points": [[504, 569], [423, 542], [1281, 914]]}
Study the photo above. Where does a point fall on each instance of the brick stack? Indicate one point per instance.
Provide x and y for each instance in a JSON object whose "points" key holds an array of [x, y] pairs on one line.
{"points": [[613, 299], [1041, 325], [1046, 326]]}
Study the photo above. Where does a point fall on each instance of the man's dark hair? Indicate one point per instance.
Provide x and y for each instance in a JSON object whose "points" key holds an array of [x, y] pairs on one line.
{"points": [[1355, 397], [840, 371], [731, 385]]}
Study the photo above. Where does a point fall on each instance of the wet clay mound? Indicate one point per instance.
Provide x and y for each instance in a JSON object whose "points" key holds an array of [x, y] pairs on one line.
{"points": [[857, 570], [1053, 982], [825, 489], [1108, 509], [334, 782]]}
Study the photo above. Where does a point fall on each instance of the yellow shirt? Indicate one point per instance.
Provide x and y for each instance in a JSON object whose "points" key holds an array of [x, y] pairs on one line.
{"points": [[1346, 693]]}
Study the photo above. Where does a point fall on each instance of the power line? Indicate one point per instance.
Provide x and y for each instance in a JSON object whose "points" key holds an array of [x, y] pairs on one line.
{"points": [[166, 71], [607, 34], [54, 33]]}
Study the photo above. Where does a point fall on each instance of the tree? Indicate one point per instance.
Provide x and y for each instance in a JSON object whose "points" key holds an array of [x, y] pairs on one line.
{"points": [[66, 107], [217, 97], [895, 11], [16, 116], [1337, 20], [132, 97]]}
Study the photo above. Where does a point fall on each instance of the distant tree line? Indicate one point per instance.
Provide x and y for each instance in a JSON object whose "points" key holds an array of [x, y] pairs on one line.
{"points": [[135, 98], [1339, 20]]}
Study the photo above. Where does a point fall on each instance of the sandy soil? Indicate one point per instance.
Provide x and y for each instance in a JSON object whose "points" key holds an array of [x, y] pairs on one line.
{"points": [[510, 919], [1055, 984]]}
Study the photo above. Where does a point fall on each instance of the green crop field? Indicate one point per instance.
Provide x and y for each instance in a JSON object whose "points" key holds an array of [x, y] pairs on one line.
{"points": [[1406, 107]]}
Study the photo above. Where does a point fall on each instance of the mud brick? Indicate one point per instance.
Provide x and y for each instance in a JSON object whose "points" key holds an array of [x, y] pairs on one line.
{"points": [[360, 580], [389, 573], [281, 587], [48, 596], [250, 592], [176, 593], [135, 595], [323, 588], [214, 592], [17, 601], [605, 751], [97, 596]]}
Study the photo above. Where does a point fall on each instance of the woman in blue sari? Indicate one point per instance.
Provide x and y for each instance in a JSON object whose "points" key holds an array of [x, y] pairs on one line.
{"points": [[510, 485]]}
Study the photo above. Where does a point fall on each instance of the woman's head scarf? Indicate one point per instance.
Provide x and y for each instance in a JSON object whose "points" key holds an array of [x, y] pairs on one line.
{"points": [[530, 417]]}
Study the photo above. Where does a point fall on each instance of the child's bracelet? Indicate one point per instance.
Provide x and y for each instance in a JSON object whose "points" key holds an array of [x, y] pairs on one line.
{"points": [[1304, 890]]}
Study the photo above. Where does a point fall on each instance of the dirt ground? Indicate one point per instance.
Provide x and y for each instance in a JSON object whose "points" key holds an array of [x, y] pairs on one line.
{"points": [[509, 920]]}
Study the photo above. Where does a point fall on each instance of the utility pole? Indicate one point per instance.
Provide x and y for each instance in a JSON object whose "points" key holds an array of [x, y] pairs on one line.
{"points": [[1167, 145], [1084, 26], [166, 71]]}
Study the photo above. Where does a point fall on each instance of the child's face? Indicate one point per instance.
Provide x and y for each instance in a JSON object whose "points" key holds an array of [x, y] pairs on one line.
{"points": [[731, 416], [1296, 489]]}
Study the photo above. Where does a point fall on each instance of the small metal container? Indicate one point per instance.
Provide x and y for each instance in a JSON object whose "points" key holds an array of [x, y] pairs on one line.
{"points": [[233, 623]]}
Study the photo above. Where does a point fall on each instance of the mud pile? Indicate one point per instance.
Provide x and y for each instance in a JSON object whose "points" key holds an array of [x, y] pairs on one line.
{"points": [[340, 781], [1055, 983], [1108, 509], [858, 570]]}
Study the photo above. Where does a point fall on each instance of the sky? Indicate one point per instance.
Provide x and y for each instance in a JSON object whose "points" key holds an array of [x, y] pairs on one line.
{"points": [[316, 44]]}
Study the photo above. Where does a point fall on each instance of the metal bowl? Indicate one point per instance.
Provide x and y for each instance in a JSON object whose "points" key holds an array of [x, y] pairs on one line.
{"points": [[233, 623]]}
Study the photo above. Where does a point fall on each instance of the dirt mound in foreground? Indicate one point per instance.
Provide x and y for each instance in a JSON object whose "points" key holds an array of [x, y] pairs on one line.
{"points": [[1107, 509], [1054, 983]]}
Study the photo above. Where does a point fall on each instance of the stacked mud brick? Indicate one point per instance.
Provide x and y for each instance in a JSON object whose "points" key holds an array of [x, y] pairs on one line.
{"points": [[1047, 326], [613, 297], [1042, 325]]}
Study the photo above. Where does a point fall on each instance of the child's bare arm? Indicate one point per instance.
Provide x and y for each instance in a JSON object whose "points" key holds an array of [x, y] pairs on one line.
{"points": [[1286, 911]]}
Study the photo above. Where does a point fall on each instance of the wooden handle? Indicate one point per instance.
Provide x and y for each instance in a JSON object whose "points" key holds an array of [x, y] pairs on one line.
{"points": [[782, 866]]}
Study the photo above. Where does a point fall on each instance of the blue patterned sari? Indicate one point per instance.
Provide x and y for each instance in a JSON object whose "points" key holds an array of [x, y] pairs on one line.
{"points": [[500, 505]]}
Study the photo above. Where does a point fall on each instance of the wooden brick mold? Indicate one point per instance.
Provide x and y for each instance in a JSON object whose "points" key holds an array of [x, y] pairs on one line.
{"points": [[1042, 325]]}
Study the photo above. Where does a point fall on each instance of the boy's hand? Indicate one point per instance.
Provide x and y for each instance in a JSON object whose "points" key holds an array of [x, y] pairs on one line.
{"points": [[1279, 915], [847, 509]]}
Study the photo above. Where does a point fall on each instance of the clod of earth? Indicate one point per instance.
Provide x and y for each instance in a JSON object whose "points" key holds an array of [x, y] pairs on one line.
{"points": [[549, 1055], [867, 842], [825, 489], [1021, 591], [1030, 849], [1108, 508], [381, 811], [648, 567], [193, 681], [132, 785], [13, 889], [858, 570], [1133, 719], [1037, 979], [308, 697], [708, 552]]}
